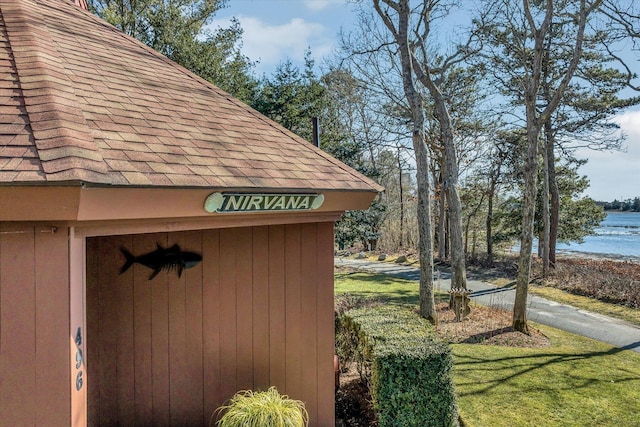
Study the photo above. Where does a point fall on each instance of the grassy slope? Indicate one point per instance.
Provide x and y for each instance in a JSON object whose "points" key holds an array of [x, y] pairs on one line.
{"points": [[586, 303], [371, 285], [574, 382]]}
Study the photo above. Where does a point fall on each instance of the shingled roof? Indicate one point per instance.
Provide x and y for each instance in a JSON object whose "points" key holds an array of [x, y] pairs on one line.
{"points": [[83, 103]]}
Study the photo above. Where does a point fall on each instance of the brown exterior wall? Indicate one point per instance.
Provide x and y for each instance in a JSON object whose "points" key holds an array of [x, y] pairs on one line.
{"points": [[34, 325], [258, 311]]}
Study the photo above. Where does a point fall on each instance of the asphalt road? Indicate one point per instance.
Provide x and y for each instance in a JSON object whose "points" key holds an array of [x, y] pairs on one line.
{"points": [[571, 319]]}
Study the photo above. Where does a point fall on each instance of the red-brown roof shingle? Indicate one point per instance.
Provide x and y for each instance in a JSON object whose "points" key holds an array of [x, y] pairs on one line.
{"points": [[82, 102]]}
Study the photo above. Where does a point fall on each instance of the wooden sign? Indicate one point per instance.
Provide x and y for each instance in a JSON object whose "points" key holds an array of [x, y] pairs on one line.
{"points": [[261, 202]]}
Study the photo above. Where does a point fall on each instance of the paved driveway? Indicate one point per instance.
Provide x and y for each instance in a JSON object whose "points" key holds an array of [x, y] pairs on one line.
{"points": [[602, 328]]}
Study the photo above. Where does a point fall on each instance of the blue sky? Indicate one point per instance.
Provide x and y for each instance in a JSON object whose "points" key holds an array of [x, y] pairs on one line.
{"points": [[277, 30]]}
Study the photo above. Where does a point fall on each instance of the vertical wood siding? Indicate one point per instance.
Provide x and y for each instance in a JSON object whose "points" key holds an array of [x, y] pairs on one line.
{"points": [[257, 312], [34, 326]]}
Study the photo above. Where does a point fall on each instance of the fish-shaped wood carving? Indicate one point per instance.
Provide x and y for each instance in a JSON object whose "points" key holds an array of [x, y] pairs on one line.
{"points": [[162, 259]]}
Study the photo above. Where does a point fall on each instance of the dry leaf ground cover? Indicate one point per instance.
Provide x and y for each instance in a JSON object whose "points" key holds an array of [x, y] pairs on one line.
{"points": [[614, 282]]}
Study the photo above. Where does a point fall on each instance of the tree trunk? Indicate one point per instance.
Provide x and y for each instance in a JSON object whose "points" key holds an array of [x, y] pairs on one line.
{"points": [[474, 245], [425, 244], [489, 224], [554, 194], [442, 220], [458, 269], [540, 246], [446, 236], [548, 134], [530, 168], [400, 244], [450, 182], [526, 237], [544, 241], [466, 234], [535, 121]]}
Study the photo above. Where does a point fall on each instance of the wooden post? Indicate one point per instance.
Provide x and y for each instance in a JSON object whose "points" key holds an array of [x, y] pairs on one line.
{"points": [[460, 300], [77, 329]]}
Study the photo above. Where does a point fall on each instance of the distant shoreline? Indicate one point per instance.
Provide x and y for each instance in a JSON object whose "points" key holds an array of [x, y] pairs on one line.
{"points": [[598, 256], [563, 253]]}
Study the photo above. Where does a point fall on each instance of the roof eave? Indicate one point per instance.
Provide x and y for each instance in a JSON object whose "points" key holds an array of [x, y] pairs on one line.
{"points": [[80, 202]]}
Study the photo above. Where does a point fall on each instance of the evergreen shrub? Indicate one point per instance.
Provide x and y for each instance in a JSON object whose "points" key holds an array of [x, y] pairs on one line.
{"points": [[408, 369]]}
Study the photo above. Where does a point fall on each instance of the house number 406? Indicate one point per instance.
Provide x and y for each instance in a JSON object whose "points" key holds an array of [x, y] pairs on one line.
{"points": [[79, 360]]}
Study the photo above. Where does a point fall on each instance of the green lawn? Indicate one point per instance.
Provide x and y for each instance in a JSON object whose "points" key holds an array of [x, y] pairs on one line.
{"points": [[381, 286], [574, 382]]}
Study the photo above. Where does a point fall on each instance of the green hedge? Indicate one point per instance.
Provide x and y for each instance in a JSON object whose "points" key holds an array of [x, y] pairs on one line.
{"points": [[407, 367]]}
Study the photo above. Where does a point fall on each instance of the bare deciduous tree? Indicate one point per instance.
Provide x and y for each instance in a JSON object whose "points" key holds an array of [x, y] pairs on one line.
{"points": [[400, 31], [431, 70]]}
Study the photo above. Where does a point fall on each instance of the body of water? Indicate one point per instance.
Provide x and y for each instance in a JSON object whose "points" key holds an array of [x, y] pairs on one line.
{"points": [[618, 236]]}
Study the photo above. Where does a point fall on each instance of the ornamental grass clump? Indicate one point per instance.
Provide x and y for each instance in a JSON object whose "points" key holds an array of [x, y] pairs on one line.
{"points": [[263, 409]]}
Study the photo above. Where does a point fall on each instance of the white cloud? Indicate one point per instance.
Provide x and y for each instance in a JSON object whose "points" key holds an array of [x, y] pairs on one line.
{"points": [[629, 121], [272, 44], [614, 175], [317, 5]]}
